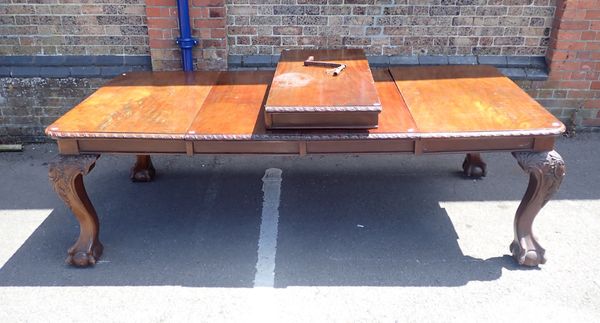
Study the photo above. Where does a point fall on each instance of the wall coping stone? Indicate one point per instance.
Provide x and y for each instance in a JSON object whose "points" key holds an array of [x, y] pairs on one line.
{"points": [[105, 66], [515, 67]]}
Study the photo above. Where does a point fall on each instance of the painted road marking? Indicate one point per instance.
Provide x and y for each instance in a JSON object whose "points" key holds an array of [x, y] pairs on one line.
{"points": [[16, 226], [267, 241]]}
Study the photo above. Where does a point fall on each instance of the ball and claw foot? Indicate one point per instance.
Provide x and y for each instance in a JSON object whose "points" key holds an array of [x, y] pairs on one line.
{"points": [[143, 170], [474, 166], [528, 256], [85, 258]]}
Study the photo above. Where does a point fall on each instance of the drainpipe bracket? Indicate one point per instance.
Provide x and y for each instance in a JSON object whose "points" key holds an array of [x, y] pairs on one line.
{"points": [[186, 43]]}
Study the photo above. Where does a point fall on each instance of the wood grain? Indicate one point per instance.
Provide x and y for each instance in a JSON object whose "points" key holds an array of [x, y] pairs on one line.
{"points": [[468, 98], [234, 105], [141, 103], [394, 116], [296, 85]]}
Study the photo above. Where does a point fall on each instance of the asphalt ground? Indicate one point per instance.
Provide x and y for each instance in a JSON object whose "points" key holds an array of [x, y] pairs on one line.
{"points": [[387, 238]]}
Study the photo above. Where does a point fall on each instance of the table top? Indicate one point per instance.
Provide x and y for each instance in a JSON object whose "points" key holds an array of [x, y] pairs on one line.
{"points": [[297, 86], [417, 102], [462, 99]]}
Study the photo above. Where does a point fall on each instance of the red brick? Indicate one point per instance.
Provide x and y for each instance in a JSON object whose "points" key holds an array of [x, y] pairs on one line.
{"points": [[584, 55], [574, 25], [593, 46], [593, 76], [583, 85], [532, 93], [592, 104], [569, 35], [152, 12], [163, 3], [588, 35], [586, 4], [552, 84], [557, 75], [161, 43], [208, 3], [578, 94], [198, 13], [209, 23], [572, 14], [565, 66], [213, 43], [570, 45], [591, 122], [156, 33], [544, 94], [593, 14], [558, 55], [595, 85], [583, 74], [216, 12], [162, 23], [157, 12], [218, 33]]}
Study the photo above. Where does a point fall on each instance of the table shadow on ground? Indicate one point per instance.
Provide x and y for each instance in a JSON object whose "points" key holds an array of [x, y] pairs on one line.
{"points": [[169, 232], [201, 229], [379, 234]]}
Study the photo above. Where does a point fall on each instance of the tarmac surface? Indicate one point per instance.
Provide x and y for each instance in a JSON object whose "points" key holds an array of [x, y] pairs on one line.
{"points": [[317, 239]]}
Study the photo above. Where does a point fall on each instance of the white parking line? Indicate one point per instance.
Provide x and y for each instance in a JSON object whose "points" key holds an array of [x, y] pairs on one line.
{"points": [[267, 241], [16, 226]]}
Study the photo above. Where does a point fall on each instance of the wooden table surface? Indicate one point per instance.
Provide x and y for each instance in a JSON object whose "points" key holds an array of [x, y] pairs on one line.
{"points": [[459, 99], [424, 109], [296, 85]]}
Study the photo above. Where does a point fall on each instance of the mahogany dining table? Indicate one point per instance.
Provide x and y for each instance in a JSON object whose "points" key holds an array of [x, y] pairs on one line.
{"points": [[425, 110]]}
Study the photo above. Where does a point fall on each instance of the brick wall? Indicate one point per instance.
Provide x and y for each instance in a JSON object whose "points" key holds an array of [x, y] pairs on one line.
{"points": [[71, 27], [392, 27], [36, 90], [208, 25], [54, 53], [28, 105], [572, 91]]}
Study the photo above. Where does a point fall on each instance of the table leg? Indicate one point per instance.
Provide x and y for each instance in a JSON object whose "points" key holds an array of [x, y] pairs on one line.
{"points": [[66, 175], [143, 170], [474, 166], [546, 172]]}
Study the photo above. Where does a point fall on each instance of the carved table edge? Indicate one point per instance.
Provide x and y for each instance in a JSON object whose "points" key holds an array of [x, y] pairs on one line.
{"points": [[310, 137]]}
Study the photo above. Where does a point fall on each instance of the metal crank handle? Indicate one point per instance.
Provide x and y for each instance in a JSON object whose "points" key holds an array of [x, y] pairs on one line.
{"points": [[336, 71]]}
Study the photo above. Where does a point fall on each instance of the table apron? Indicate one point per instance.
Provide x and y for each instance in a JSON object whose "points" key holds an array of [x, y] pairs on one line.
{"points": [[74, 146]]}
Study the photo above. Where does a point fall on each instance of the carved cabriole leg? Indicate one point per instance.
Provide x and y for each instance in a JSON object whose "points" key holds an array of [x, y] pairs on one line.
{"points": [[66, 175], [546, 171], [143, 170], [473, 166]]}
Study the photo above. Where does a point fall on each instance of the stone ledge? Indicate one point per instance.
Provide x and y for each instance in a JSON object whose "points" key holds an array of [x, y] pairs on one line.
{"points": [[105, 66], [515, 67]]}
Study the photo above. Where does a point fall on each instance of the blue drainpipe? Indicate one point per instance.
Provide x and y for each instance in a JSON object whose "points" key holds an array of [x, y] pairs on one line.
{"points": [[185, 40]]}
